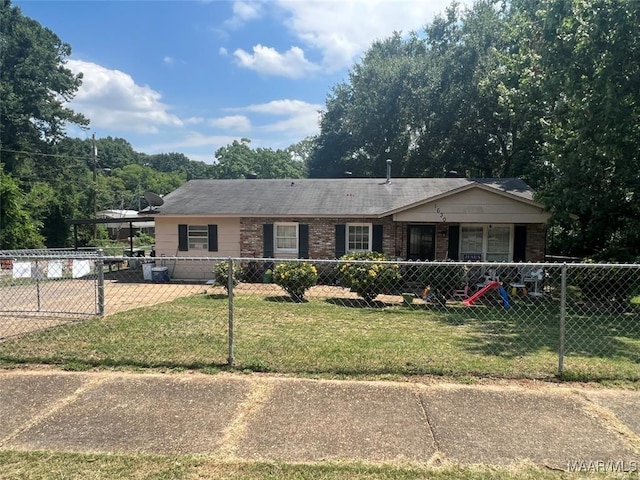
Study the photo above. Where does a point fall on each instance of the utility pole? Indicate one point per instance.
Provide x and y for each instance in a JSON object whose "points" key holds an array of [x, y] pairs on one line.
{"points": [[94, 153]]}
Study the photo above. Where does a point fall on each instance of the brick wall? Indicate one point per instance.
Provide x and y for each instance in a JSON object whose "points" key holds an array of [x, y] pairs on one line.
{"points": [[321, 234], [322, 237], [536, 243]]}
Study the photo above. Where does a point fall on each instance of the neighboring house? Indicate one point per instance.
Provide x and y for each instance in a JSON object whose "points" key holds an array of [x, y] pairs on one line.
{"points": [[408, 218], [120, 230]]}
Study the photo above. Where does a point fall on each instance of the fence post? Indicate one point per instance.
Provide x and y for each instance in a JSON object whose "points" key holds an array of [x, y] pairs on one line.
{"points": [[563, 312], [100, 273], [37, 275], [230, 280]]}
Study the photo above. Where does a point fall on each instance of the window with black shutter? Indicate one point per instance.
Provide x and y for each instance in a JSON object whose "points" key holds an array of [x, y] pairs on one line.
{"points": [[183, 238], [213, 237], [303, 240], [454, 242], [267, 240], [341, 240]]}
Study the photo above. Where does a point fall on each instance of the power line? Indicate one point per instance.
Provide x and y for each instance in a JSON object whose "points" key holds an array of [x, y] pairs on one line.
{"points": [[87, 156]]}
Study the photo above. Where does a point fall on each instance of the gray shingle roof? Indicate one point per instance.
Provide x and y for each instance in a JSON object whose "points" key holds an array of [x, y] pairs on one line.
{"points": [[342, 197]]}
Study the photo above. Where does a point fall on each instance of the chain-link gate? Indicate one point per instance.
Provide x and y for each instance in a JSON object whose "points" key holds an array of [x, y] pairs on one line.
{"points": [[40, 289]]}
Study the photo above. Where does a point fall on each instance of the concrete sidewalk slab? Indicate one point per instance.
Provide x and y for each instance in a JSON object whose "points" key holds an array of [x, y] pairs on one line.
{"points": [[307, 420], [161, 414], [24, 397], [507, 425], [256, 417], [625, 405]]}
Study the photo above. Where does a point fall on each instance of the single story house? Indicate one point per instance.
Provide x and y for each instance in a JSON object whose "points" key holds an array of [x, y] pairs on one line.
{"points": [[408, 218]]}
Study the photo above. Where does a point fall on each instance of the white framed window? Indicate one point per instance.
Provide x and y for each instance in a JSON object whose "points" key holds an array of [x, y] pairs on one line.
{"points": [[198, 236], [498, 243], [285, 237], [358, 237], [471, 242], [490, 243]]}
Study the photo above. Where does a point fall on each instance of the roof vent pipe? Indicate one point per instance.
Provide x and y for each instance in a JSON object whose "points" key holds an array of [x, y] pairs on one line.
{"points": [[388, 170]]}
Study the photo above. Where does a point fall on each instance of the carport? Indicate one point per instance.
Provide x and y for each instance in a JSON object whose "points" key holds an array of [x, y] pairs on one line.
{"points": [[98, 221]]}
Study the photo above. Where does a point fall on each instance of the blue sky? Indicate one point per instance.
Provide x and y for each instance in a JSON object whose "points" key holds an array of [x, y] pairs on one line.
{"points": [[192, 76]]}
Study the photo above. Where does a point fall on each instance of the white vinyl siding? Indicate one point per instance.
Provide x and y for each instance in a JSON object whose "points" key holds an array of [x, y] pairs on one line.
{"points": [[475, 206]]}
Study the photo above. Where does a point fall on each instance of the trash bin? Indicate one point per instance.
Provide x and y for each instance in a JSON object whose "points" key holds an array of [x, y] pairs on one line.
{"points": [[146, 271], [160, 274]]}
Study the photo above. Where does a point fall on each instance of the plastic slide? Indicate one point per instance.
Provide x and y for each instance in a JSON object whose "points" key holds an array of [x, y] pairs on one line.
{"points": [[505, 297], [488, 287]]}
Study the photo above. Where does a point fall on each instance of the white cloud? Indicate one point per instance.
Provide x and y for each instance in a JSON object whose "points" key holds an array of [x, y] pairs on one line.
{"points": [[339, 31], [274, 124], [195, 145], [168, 60], [302, 118], [232, 122], [223, 52], [348, 27], [193, 120], [268, 61], [282, 107], [243, 12], [111, 99]]}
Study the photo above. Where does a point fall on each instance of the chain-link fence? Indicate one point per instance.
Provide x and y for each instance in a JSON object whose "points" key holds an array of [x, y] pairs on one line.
{"points": [[356, 318]]}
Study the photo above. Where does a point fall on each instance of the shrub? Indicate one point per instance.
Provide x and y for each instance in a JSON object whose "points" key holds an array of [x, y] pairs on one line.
{"points": [[368, 279], [296, 278], [143, 239], [221, 271], [605, 283]]}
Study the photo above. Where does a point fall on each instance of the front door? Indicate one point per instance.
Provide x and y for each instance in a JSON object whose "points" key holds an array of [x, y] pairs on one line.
{"points": [[421, 243]]}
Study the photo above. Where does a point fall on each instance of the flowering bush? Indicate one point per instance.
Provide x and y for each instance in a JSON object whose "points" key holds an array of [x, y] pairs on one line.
{"points": [[368, 279], [296, 278], [221, 271]]}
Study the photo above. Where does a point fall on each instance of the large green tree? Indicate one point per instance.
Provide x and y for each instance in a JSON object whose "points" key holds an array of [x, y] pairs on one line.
{"points": [[588, 55], [425, 103], [239, 160], [177, 162], [17, 228], [34, 87], [546, 91]]}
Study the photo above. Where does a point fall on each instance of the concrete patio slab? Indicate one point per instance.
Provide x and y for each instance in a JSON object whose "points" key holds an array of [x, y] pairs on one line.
{"points": [[306, 420]]}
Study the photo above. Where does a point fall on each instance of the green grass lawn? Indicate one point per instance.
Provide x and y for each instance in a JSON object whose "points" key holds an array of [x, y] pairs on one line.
{"points": [[344, 338], [71, 466]]}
